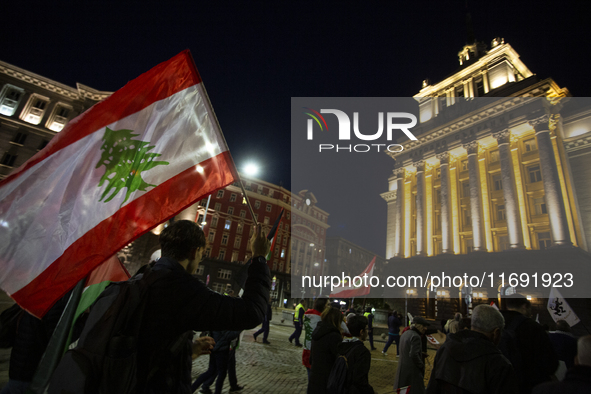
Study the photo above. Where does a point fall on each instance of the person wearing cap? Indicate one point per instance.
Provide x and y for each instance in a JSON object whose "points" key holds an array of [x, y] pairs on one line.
{"points": [[411, 366]]}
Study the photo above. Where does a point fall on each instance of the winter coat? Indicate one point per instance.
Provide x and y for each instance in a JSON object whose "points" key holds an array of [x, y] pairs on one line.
{"points": [[565, 345], [359, 362], [576, 381], [325, 340], [411, 368], [394, 325], [469, 361]]}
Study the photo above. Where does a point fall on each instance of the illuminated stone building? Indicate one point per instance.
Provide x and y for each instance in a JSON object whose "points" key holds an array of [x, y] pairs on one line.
{"points": [[33, 109], [492, 169]]}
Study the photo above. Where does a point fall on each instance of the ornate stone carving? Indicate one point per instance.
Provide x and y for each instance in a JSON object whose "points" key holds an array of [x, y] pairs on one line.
{"points": [[443, 158], [398, 172], [540, 123], [420, 165], [471, 147], [502, 136]]}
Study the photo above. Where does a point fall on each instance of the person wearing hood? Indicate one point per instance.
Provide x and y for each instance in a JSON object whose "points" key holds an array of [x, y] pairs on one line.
{"points": [[469, 360], [323, 352]]}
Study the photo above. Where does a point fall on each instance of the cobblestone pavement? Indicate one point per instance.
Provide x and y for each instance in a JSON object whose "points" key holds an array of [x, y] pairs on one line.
{"points": [[277, 368]]}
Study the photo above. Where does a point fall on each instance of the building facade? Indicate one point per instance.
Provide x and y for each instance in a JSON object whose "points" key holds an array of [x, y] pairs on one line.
{"points": [[33, 109], [492, 169]]}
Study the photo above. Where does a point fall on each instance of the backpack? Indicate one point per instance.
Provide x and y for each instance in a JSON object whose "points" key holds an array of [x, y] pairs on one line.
{"points": [[105, 358], [340, 376], [9, 320], [509, 345]]}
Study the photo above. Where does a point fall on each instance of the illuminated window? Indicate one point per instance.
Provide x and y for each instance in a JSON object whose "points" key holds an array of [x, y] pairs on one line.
{"points": [[494, 156], [535, 175], [59, 117], [530, 145], [544, 240], [497, 182], [228, 224], [283, 253], [220, 194], [35, 108], [233, 197], [501, 214], [540, 206], [10, 98]]}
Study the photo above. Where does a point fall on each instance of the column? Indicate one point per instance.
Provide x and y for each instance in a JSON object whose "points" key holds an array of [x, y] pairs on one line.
{"points": [[553, 195], [475, 209], [508, 181], [399, 210], [420, 202], [445, 199]]}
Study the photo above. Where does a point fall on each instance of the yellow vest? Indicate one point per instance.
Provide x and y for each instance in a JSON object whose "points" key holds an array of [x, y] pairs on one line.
{"points": [[297, 312], [366, 314]]}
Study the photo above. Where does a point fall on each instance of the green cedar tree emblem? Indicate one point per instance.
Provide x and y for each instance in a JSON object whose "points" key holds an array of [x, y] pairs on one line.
{"points": [[125, 159]]}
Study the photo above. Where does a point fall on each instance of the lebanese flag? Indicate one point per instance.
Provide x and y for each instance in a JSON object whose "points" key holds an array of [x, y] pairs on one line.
{"points": [[127, 164], [349, 290]]}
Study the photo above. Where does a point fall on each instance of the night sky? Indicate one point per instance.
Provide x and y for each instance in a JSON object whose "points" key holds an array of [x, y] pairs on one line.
{"points": [[254, 56]]}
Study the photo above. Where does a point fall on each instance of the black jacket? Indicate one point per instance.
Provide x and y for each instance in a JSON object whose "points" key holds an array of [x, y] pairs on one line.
{"points": [[178, 303], [538, 358], [359, 363], [470, 363], [323, 352], [576, 381]]}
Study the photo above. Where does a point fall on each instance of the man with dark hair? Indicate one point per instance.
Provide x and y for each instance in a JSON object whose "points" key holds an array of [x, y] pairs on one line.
{"points": [[369, 316], [469, 360], [298, 320], [179, 304], [527, 346], [358, 357], [564, 343], [311, 319]]}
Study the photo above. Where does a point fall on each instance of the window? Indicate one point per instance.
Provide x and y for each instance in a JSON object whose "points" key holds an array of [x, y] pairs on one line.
{"points": [[469, 245], [540, 206], [59, 117], [276, 254], [200, 219], [218, 287], [19, 138], [281, 266], [501, 212], [211, 236], [438, 221], [237, 242], [257, 204], [284, 241], [200, 269], [239, 228], [230, 210], [214, 221], [233, 197], [535, 175], [235, 255], [466, 189], [274, 266], [497, 182], [259, 189], [287, 227], [494, 156], [464, 165], [10, 98], [208, 252], [544, 240], [530, 145], [438, 196], [288, 216], [35, 108], [437, 176], [217, 207], [220, 194], [283, 253], [224, 274], [467, 217], [8, 159], [242, 213], [222, 254], [479, 87], [225, 239], [268, 207], [460, 91], [503, 243], [266, 220]]}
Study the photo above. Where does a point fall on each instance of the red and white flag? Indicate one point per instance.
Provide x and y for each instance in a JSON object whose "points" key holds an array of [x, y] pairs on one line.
{"points": [[356, 288], [127, 164]]}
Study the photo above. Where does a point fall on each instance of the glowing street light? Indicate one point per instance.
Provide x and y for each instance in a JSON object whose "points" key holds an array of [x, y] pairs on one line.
{"points": [[251, 169]]}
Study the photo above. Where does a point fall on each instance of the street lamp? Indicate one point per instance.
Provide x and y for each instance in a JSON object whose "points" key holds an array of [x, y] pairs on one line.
{"points": [[251, 169]]}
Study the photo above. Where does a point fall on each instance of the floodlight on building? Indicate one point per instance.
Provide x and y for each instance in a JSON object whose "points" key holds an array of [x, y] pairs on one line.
{"points": [[251, 169]]}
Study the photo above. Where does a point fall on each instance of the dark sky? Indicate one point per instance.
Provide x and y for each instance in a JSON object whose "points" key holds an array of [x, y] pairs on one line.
{"points": [[254, 56]]}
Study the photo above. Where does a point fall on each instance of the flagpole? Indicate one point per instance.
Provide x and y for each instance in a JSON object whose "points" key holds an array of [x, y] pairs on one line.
{"points": [[57, 343], [214, 118]]}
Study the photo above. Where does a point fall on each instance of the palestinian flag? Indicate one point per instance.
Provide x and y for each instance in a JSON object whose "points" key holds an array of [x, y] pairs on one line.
{"points": [[127, 164], [271, 236]]}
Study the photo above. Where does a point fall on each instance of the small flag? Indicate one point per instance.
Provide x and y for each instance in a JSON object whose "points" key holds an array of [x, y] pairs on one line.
{"points": [[432, 339], [271, 235], [560, 309], [492, 303], [403, 390], [127, 164], [354, 289]]}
